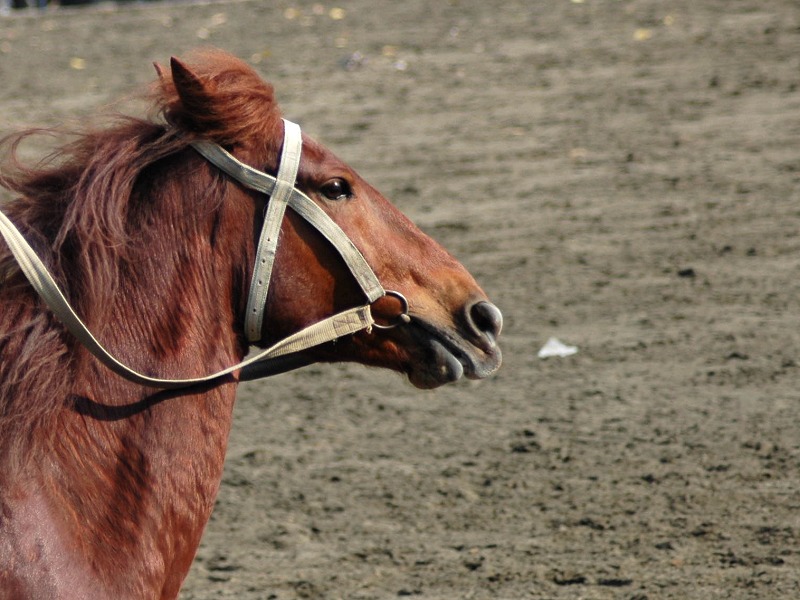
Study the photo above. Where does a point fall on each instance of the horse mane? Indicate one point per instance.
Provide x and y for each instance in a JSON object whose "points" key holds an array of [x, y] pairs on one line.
{"points": [[90, 207]]}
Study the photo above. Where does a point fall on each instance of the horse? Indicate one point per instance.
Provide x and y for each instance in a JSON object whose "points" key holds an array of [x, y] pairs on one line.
{"points": [[107, 481]]}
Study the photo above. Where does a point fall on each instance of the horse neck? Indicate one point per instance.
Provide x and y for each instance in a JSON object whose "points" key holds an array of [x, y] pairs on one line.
{"points": [[129, 473]]}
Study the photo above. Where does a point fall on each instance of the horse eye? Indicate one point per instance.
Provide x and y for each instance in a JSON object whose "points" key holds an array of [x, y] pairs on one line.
{"points": [[336, 189]]}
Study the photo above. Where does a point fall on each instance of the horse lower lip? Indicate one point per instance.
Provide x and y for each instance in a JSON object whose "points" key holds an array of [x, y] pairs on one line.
{"points": [[448, 367]]}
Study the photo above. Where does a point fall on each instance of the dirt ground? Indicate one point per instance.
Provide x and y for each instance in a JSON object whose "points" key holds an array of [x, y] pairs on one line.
{"points": [[621, 174]]}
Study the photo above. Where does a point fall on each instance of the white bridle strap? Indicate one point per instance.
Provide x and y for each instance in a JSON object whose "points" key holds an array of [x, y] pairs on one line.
{"points": [[268, 241], [327, 330], [303, 206]]}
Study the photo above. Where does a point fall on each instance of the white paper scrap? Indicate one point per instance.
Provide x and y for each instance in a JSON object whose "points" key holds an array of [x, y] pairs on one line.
{"points": [[555, 347]]}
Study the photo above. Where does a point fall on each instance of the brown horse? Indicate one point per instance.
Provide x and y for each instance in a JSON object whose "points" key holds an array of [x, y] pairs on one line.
{"points": [[106, 485]]}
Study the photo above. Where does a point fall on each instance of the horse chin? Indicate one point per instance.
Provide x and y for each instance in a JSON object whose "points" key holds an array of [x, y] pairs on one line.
{"points": [[446, 357], [444, 367]]}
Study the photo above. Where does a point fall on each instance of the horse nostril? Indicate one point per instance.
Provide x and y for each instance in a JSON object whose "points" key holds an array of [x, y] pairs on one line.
{"points": [[486, 320]]}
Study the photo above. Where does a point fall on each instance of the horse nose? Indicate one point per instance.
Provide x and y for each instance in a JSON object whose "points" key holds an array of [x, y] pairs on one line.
{"points": [[486, 321]]}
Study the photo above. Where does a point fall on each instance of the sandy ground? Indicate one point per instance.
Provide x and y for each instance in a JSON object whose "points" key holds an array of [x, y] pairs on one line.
{"points": [[621, 174]]}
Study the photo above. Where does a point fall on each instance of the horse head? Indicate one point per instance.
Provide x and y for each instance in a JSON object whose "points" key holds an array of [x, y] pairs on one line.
{"points": [[453, 328]]}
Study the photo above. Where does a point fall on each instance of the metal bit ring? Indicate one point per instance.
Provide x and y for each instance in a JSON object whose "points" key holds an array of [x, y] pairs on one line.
{"points": [[403, 318]]}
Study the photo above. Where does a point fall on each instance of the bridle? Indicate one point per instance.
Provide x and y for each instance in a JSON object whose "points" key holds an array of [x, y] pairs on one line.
{"points": [[282, 192]]}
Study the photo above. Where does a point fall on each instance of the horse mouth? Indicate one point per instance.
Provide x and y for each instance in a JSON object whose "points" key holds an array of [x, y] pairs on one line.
{"points": [[447, 356]]}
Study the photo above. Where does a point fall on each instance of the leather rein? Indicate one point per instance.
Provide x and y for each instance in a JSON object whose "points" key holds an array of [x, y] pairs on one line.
{"points": [[279, 357]]}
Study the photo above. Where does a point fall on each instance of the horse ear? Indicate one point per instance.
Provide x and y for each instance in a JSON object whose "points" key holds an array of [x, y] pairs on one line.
{"points": [[195, 94]]}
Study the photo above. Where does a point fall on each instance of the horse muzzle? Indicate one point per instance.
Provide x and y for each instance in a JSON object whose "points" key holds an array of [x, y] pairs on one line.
{"points": [[447, 353]]}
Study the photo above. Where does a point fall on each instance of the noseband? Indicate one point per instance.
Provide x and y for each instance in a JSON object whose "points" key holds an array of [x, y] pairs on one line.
{"points": [[282, 193]]}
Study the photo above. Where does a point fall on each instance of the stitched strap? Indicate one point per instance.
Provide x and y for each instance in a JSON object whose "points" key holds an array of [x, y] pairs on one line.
{"points": [[268, 241], [327, 330]]}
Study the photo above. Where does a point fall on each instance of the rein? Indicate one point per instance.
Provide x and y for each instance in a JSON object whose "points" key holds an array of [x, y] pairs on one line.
{"points": [[283, 193]]}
